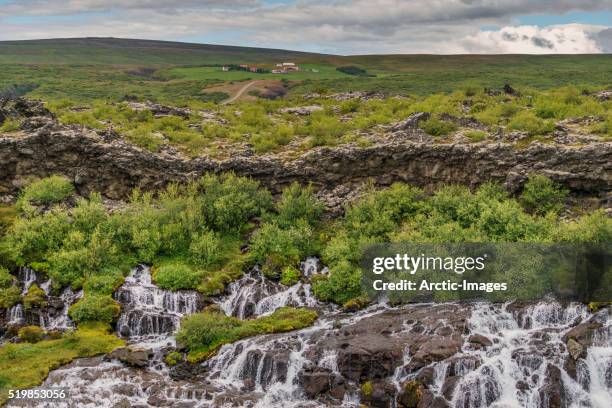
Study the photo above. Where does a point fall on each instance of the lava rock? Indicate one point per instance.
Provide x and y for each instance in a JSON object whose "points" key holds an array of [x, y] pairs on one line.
{"points": [[133, 357]]}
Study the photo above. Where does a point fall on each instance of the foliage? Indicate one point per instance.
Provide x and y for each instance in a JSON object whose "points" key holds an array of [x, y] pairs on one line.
{"points": [[529, 122], [437, 127], [203, 333], [298, 203], [26, 365], [290, 276], [9, 296], [541, 195], [95, 308], [35, 298], [31, 334], [190, 234], [451, 214], [10, 125], [475, 136], [50, 190], [175, 276], [352, 70]]}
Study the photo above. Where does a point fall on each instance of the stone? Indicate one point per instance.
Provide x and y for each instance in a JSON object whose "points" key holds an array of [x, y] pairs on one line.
{"points": [[316, 381], [301, 110], [132, 357], [411, 122], [480, 340], [552, 393], [575, 349]]}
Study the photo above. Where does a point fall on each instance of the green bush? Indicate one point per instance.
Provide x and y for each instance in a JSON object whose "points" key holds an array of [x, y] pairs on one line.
{"points": [[205, 249], [475, 136], [31, 334], [50, 190], [203, 333], [95, 308], [35, 298], [290, 276], [298, 203], [541, 195], [175, 276], [437, 127], [10, 125], [9, 296], [527, 121], [6, 279]]}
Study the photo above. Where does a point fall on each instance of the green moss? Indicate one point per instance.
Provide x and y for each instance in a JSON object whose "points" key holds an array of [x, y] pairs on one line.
{"points": [[437, 127], [475, 136], [203, 333], [35, 298], [31, 334], [173, 358], [26, 365], [10, 125], [7, 217], [367, 389]]}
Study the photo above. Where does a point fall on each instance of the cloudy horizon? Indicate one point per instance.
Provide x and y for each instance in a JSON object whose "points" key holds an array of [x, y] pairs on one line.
{"points": [[337, 27]]}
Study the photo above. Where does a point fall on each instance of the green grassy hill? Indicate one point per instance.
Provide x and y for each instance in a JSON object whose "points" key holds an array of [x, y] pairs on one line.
{"points": [[105, 51], [111, 68]]}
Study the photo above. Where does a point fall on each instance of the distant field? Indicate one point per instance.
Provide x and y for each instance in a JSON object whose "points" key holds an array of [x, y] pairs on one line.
{"points": [[308, 71], [103, 68]]}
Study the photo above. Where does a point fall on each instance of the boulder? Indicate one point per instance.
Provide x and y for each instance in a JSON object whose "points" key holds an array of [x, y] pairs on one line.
{"points": [[133, 357], [411, 122], [575, 349], [316, 381], [480, 340], [552, 393]]}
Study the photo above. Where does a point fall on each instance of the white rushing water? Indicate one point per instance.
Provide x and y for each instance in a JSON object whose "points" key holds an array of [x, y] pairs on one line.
{"points": [[527, 356], [148, 313]]}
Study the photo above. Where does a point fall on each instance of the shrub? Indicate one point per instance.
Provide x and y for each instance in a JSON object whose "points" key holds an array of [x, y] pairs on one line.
{"points": [[93, 307], [352, 70], [205, 249], [290, 276], [35, 298], [6, 279], [437, 127], [542, 195], [10, 125], [203, 333], [50, 190], [275, 247], [527, 121], [31, 334], [475, 136], [175, 276], [9, 296], [173, 358], [298, 203], [228, 201]]}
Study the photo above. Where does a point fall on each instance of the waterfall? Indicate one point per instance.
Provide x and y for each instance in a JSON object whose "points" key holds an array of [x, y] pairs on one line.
{"points": [[16, 314], [255, 295], [27, 277], [61, 320], [149, 313], [527, 350]]}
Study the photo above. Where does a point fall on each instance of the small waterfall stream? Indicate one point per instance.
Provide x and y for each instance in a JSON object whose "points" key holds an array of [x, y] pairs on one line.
{"points": [[148, 313], [527, 352]]}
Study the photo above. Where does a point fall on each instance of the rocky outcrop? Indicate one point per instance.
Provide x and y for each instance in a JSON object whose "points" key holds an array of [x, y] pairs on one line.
{"points": [[105, 163]]}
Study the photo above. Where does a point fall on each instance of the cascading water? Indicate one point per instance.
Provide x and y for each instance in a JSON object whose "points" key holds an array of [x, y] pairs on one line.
{"points": [[255, 295], [526, 360], [149, 313]]}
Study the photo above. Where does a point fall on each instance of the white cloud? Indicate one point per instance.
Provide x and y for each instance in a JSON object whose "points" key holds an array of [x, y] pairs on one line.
{"points": [[341, 26], [559, 39]]}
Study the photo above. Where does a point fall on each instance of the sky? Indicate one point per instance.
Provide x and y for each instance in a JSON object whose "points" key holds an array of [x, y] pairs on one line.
{"points": [[334, 26]]}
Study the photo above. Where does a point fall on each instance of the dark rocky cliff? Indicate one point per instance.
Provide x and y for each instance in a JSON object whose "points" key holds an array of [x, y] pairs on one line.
{"points": [[102, 161]]}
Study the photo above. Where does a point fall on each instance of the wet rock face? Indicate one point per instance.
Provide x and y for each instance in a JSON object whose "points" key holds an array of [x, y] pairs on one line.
{"points": [[107, 164], [133, 357]]}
